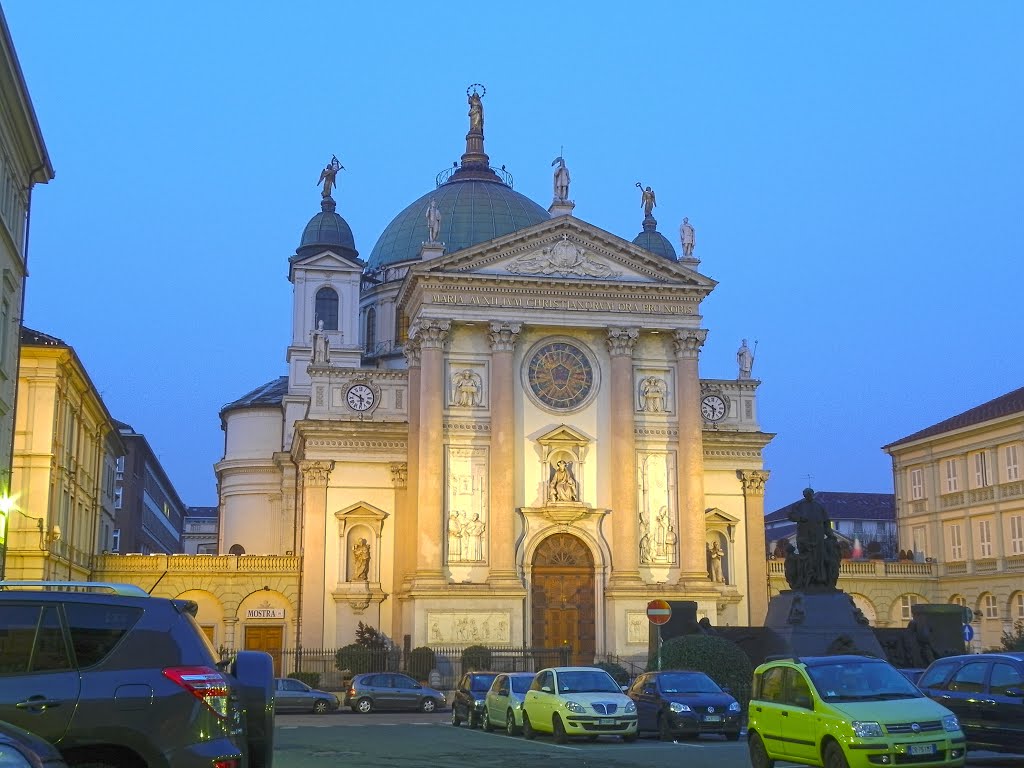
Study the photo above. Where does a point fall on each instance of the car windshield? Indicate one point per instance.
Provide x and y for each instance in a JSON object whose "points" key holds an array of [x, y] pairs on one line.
{"points": [[481, 682], [861, 681], [687, 682], [521, 684], [587, 681]]}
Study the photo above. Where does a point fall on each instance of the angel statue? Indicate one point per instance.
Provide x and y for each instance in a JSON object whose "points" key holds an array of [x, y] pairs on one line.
{"points": [[327, 175], [646, 199]]}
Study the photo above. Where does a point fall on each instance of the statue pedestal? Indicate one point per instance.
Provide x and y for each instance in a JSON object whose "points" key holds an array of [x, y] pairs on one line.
{"points": [[812, 622], [431, 251], [561, 208]]}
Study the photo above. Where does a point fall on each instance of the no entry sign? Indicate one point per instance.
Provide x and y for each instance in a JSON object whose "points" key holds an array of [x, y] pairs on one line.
{"points": [[659, 612]]}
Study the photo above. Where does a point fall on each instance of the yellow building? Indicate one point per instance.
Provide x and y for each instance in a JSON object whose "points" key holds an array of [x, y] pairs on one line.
{"points": [[23, 164], [64, 438]]}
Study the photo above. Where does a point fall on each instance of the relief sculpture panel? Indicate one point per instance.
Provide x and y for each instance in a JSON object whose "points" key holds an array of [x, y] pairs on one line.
{"points": [[457, 627], [658, 538], [466, 504]]}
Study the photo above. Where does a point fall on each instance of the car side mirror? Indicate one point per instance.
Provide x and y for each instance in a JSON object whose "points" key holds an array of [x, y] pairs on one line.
{"points": [[416, 685], [726, 689], [624, 688], [546, 688]]}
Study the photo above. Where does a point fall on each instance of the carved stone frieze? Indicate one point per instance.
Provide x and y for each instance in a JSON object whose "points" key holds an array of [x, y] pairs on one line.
{"points": [[564, 259]]}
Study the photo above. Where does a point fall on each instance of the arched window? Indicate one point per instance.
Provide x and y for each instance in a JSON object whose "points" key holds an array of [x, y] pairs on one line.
{"points": [[326, 309], [371, 329], [236, 549]]}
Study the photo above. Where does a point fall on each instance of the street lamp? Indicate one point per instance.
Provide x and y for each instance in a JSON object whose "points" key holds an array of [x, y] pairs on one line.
{"points": [[6, 505]]}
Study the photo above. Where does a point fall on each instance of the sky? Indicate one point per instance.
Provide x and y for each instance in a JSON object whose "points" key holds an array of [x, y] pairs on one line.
{"points": [[853, 171]]}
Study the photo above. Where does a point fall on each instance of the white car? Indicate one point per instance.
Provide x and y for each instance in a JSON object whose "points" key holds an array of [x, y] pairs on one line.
{"points": [[574, 702]]}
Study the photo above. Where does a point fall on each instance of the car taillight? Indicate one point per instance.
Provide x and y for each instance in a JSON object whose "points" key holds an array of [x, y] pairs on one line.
{"points": [[205, 683], [233, 762]]}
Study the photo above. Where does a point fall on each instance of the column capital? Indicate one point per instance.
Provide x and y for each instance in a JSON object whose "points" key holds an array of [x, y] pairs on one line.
{"points": [[621, 341], [688, 342], [503, 336], [399, 474], [430, 333], [411, 350], [753, 481], [315, 473]]}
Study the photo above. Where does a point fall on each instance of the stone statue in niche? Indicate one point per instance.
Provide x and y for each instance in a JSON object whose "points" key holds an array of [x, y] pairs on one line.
{"points": [[652, 394], [320, 344], [473, 539], [715, 554], [466, 388], [454, 538], [361, 560], [562, 486]]}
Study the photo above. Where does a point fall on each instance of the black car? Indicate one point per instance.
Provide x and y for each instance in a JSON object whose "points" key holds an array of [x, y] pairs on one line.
{"points": [[680, 703], [33, 751], [986, 692], [470, 698], [99, 670]]}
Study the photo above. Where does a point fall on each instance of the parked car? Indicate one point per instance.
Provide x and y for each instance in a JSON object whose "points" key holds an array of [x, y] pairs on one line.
{"points": [[986, 691], [569, 702], [390, 690], [679, 703], [21, 749], [912, 674], [94, 668], [503, 704], [468, 700], [291, 695], [847, 712]]}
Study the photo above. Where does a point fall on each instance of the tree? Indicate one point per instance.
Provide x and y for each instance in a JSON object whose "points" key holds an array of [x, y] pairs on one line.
{"points": [[1014, 641]]}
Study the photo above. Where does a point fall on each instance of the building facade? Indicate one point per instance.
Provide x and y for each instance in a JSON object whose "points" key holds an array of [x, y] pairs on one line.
{"points": [[495, 430], [64, 439], [24, 163], [199, 531]]}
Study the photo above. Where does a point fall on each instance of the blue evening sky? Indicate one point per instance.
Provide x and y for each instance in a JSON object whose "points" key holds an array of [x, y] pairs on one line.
{"points": [[853, 170]]}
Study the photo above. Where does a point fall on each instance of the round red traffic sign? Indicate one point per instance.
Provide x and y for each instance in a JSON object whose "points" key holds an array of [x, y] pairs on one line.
{"points": [[659, 612]]}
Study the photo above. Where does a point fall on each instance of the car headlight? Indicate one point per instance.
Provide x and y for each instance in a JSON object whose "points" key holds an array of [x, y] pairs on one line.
{"points": [[734, 707], [630, 707], [675, 706], [479, 703], [951, 723], [867, 729], [576, 707]]}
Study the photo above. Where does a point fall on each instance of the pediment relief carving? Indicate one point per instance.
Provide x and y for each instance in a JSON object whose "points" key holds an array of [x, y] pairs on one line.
{"points": [[565, 258]]}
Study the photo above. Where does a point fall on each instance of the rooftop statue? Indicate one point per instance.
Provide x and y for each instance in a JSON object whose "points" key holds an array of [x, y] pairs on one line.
{"points": [[476, 110], [686, 237], [646, 199], [328, 174], [433, 222], [561, 179]]}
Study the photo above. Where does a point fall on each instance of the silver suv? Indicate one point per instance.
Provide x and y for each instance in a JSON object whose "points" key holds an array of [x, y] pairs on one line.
{"points": [[115, 678]]}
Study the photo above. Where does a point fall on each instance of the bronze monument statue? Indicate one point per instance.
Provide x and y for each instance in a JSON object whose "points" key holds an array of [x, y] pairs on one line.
{"points": [[646, 199], [328, 176], [815, 563]]}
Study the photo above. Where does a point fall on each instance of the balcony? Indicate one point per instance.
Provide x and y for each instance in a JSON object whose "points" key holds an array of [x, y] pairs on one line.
{"points": [[212, 564], [869, 568]]}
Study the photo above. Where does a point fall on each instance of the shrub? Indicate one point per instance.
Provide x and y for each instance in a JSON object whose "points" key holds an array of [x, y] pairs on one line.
{"points": [[1014, 641], [421, 661], [312, 679], [358, 659], [617, 671], [720, 659], [476, 657]]}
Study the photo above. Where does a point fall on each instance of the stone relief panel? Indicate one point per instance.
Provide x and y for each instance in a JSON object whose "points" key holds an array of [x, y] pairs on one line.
{"points": [[467, 382], [636, 627], [653, 389], [658, 538], [564, 259], [467, 627], [466, 504]]}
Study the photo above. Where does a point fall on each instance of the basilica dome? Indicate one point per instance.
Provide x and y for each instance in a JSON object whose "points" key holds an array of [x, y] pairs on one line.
{"points": [[325, 230]]}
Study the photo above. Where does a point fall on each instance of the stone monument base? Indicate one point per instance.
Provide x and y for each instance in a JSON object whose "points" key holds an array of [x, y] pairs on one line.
{"points": [[818, 622]]}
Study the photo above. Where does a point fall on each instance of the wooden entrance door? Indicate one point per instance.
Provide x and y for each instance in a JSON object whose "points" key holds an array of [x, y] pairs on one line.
{"points": [[269, 639], [563, 597]]}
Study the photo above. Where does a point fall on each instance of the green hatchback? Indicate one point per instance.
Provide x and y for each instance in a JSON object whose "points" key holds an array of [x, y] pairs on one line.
{"points": [[847, 712]]}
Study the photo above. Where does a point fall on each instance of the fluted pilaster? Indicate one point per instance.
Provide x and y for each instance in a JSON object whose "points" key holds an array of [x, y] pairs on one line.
{"points": [[690, 463], [621, 342], [431, 336], [502, 338], [315, 477], [753, 482]]}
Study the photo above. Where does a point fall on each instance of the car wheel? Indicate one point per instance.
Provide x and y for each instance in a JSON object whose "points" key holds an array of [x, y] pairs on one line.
{"points": [[364, 706], [320, 706], [558, 730], [456, 720], [758, 754], [732, 735], [834, 757], [428, 705], [510, 723], [528, 733], [664, 732], [474, 720], [485, 721]]}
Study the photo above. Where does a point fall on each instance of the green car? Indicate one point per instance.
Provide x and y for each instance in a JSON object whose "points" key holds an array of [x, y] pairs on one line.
{"points": [[503, 704], [570, 702], [847, 712]]}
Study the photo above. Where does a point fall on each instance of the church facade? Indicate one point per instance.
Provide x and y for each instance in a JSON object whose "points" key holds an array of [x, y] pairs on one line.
{"points": [[494, 430]]}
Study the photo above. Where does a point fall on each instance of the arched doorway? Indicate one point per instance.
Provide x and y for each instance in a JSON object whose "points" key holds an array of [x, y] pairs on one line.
{"points": [[562, 596]]}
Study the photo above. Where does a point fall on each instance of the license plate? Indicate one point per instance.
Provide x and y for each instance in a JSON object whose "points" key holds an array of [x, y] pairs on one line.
{"points": [[606, 721], [712, 718], [921, 749]]}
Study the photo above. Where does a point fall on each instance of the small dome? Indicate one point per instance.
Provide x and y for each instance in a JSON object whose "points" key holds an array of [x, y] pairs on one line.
{"points": [[652, 240], [473, 210], [327, 229]]}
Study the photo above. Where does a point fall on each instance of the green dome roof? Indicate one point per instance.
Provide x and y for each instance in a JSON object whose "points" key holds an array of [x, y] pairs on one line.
{"points": [[325, 230], [473, 210], [652, 240]]}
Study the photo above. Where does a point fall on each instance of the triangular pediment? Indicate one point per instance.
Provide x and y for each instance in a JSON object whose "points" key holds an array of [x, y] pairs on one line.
{"points": [[565, 248], [563, 434], [327, 259], [714, 515]]}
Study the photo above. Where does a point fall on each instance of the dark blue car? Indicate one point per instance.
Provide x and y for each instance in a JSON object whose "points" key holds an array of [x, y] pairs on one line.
{"points": [[679, 703]]}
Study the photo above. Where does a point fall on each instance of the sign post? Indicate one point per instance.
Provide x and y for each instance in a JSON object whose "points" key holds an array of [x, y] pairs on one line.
{"points": [[658, 613], [968, 633]]}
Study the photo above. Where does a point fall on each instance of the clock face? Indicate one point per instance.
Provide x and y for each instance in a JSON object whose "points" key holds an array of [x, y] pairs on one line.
{"points": [[560, 376], [712, 408], [360, 397]]}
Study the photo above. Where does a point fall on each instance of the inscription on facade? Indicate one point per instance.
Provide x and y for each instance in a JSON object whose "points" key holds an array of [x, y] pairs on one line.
{"points": [[573, 305], [265, 613]]}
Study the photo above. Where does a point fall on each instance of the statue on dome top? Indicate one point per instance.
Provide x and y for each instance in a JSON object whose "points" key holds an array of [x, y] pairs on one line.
{"points": [[328, 174], [476, 112]]}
